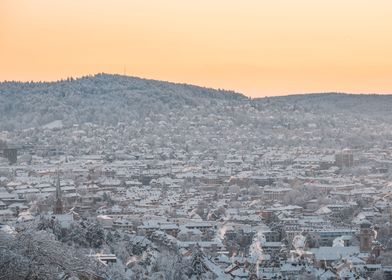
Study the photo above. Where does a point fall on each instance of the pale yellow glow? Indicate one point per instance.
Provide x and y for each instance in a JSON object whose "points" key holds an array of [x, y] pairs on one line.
{"points": [[253, 46]]}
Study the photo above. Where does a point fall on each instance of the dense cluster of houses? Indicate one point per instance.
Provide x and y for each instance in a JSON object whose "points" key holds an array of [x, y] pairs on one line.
{"points": [[256, 205], [267, 214]]}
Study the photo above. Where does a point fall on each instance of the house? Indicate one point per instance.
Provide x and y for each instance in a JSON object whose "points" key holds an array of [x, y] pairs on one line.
{"points": [[324, 256]]}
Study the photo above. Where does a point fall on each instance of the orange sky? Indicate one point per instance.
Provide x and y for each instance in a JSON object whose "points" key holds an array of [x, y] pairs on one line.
{"points": [[257, 47]]}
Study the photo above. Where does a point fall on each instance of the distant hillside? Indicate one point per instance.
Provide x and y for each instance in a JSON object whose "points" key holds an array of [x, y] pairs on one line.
{"points": [[374, 104], [109, 99], [99, 99]]}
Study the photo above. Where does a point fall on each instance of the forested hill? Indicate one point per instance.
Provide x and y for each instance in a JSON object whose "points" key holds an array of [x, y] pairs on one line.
{"points": [[103, 84], [101, 98], [361, 104], [109, 99]]}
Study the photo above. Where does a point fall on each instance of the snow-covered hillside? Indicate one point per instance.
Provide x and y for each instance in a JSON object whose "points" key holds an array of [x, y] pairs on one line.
{"points": [[101, 98]]}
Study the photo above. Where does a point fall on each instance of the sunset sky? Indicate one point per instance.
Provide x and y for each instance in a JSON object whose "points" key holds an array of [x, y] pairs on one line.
{"points": [[256, 47]]}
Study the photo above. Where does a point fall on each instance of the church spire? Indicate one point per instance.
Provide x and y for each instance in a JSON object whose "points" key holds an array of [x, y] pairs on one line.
{"points": [[58, 207]]}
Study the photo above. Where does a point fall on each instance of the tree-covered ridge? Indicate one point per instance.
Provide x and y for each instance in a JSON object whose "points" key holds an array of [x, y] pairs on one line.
{"points": [[360, 104], [108, 100], [101, 98]]}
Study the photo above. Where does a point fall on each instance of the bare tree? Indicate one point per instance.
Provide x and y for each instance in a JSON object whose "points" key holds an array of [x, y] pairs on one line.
{"points": [[37, 255]]}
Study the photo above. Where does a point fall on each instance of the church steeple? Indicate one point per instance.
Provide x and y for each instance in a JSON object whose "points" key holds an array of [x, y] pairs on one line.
{"points": [[58, 206]]}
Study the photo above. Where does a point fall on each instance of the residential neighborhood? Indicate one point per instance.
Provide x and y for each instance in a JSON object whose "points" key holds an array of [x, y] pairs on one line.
{"points": [[169, 200]]}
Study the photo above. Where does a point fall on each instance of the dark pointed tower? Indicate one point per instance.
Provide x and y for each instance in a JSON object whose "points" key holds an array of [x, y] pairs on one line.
{"points": [[365, 236], [58, 206]]}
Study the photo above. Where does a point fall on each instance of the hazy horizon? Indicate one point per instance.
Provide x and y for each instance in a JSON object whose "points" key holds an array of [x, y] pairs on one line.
{"points": [[257, 48]]}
